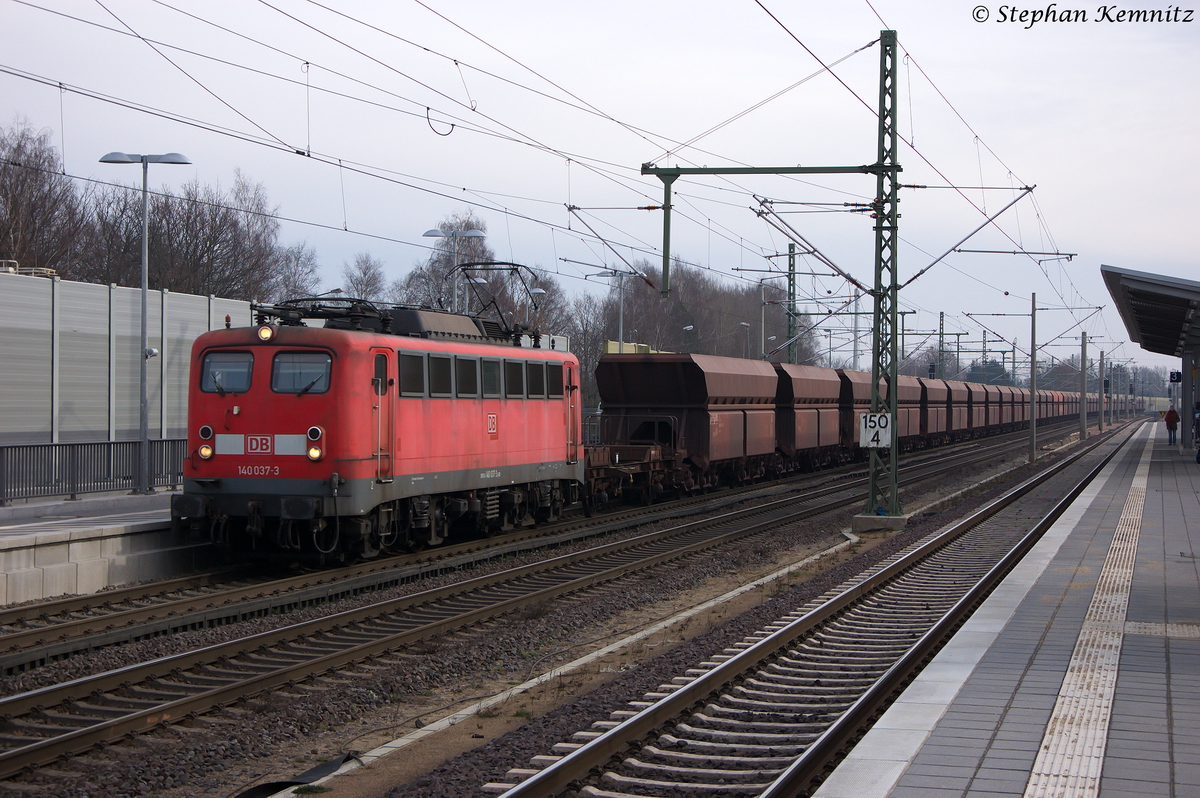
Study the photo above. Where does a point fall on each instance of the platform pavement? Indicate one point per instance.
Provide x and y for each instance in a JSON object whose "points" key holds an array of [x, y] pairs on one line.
{"points": [[87, 505], [55, 548], [1080, 675]]}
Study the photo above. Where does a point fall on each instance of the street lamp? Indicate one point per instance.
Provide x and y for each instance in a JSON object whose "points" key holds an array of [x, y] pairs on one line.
{"points": [[534, 293], [471, 280], [454, 235], [143, 486], [746, 324], [620, 276]]}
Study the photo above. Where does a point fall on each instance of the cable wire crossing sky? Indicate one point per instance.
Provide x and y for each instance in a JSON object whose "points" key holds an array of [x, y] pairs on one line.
{"points": [[368, 123]]}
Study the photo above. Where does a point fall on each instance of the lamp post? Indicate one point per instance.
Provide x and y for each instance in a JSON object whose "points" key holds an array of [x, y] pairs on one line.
{"points": [[620, 277], [454, 235], [143, 486], [746, 324]]}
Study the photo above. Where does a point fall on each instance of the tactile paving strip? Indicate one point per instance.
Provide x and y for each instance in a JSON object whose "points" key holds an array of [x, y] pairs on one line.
{"points": [[1071, 755]]}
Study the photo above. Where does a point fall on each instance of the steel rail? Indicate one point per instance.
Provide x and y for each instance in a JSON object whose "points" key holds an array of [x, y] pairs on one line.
{"points": [[38, 645], [37, 754], [561, 774], [18, 759], [11, 616], [858, 717], [446, 558]]}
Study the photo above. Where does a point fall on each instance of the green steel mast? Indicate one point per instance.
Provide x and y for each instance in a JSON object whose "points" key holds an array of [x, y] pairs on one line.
{"points": [[883, 497]]}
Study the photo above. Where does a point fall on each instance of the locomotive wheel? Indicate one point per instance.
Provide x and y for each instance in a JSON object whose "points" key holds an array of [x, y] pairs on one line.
{"points": [[439, 527], [367, 539]]}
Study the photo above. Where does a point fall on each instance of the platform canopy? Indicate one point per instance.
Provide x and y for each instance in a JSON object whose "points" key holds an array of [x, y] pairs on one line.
{"points": [[1159, 311]]}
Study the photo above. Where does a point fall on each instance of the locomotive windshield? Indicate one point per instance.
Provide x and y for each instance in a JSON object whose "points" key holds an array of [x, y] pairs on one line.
{"points": [[226, 372], [301, 372]]}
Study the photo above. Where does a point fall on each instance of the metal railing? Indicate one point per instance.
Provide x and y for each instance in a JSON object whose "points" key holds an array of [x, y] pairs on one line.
{"points": [[68, 469]]}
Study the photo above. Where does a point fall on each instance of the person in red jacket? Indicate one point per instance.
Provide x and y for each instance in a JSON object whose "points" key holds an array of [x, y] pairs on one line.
{"points": [[1172, 419]]}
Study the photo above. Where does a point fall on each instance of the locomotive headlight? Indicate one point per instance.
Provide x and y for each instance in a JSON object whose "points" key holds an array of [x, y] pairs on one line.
{"points": [[315, 453], [315, 433], [205, 451], [205, 432], [265, 333]]}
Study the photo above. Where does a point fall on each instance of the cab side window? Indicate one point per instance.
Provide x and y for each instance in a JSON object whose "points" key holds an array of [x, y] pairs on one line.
{"points": [[466, 373], [440, 381], [491, 378], [535, 379], [514, 379], [554, 380], [412, 374]]}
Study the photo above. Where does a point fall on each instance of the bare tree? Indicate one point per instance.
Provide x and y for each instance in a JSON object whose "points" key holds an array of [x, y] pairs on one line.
{"points": [[208, 242], [201, 241], [297, 272], [115, 251], [430, 284], [43, 219], [587, 342], [703, 315], [363, 279]]}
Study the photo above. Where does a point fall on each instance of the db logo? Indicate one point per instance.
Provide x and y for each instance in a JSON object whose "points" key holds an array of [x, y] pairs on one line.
{"points": [[258, 444], [492, 423]]}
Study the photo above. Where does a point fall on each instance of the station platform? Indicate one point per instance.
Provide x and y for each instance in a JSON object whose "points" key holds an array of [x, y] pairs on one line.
{"points": [[1080, 674], [54, 548]]}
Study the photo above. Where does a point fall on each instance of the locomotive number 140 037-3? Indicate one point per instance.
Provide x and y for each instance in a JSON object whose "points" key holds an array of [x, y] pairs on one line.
{"points": [[258, 471]]}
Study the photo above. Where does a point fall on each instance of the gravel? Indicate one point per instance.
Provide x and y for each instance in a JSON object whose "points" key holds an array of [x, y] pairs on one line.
{"points": [[270, 733]]}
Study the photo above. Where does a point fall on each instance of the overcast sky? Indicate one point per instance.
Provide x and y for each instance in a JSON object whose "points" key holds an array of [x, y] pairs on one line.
{"points": [[518, 109]]}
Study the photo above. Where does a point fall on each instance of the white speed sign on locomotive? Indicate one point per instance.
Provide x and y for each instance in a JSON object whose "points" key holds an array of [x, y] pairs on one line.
{"points": [[875, 430]]}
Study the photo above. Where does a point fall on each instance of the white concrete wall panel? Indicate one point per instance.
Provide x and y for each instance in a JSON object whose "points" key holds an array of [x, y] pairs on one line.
{"points": [[83, 362], [81, 404], [187, 318], [24, 359]]}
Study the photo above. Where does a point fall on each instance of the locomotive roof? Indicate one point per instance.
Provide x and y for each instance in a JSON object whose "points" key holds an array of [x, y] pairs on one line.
{"points": [[361, 314]]}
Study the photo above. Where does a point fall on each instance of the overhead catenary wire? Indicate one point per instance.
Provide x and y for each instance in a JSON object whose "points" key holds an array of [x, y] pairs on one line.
{"points": [[343, 161], [899, 135], [509, 211], [190, 76]]}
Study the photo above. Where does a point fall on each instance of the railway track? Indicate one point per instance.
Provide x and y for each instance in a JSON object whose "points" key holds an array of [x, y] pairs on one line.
{"points": [[45, 724], [767, 717], [34, 635]]}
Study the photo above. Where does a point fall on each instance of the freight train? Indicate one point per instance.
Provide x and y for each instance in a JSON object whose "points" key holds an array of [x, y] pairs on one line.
{"points": [[386, 428]]}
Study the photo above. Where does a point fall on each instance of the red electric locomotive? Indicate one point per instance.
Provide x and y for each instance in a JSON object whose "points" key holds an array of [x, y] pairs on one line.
{"points": [[380, 429]]}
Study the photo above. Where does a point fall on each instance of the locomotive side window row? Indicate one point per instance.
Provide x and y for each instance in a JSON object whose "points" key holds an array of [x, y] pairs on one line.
{"points": [[470, 377]]}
